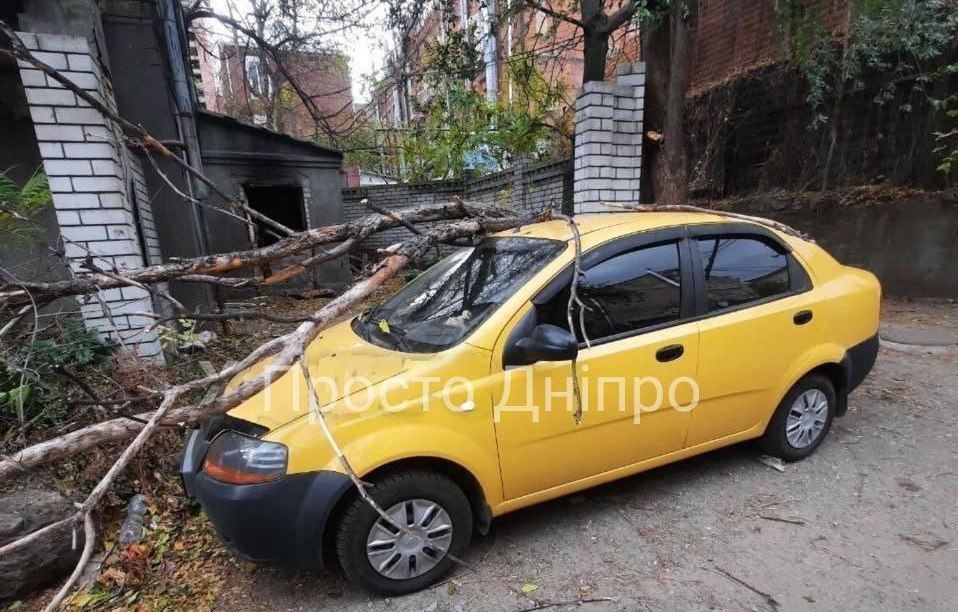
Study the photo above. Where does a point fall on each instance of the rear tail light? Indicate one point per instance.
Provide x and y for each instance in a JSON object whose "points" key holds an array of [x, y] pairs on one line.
{"points": [[235, 458]]}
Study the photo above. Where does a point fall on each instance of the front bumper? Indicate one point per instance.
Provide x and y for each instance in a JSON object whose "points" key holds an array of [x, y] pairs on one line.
{"points": [[280, 522]]}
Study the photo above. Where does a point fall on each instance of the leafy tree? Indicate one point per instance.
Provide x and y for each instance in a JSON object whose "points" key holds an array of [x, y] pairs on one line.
{"points": [[947, 145], [893, 40], [596, 25], [666, 27], [19, 205], [456, 131]]}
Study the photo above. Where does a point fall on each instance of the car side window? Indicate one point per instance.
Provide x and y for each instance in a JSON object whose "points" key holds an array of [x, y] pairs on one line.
{"points": [[740, 270], [625, 293]]}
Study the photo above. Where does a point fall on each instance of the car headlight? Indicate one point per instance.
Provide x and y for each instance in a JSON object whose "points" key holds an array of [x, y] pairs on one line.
{"points": [[235, 458]]}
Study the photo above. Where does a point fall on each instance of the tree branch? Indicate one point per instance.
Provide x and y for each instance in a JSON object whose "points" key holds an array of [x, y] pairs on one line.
{"points": [[551, 12], [14, 294], [285, 350], [21, 52], [618, 18]]}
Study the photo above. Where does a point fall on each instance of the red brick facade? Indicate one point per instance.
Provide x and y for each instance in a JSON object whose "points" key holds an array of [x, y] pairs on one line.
{"points": [[735, 37], [251, 94]]}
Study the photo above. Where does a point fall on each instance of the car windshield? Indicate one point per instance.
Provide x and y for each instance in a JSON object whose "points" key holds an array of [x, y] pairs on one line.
{"points": [[448, 301]]}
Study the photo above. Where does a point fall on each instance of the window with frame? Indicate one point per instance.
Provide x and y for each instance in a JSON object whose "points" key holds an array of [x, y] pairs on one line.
{"points": [[740, 270], [625, 293]]}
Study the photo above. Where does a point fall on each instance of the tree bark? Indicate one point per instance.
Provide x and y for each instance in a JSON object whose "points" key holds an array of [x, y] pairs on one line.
{"points": [[13, 294], [50, 557], [656, 45], [668, 159], [674, 145], [595, 45], [284, 350]]}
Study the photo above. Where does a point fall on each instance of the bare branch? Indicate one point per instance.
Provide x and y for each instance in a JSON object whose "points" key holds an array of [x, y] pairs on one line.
{"points": [[21, 52], [285, 350], [551, 12], [775, 225], [89, 537], [13, 294], [618, 18]]}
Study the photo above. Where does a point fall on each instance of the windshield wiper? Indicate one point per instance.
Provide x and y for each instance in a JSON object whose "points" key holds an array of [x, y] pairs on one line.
{"points": [[395, 337]]}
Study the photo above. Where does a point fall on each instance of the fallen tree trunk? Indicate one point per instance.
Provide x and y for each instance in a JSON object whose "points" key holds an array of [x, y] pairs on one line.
{"points": [[286, 349], [50, 557], [19, 293]]}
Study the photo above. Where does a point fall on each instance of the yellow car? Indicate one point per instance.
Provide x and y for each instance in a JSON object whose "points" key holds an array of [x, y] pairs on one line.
{"points": [[477, 389]]}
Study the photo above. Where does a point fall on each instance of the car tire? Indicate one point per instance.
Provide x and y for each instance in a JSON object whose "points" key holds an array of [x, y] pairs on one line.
{"points": [[363, 536], [802, 419]]}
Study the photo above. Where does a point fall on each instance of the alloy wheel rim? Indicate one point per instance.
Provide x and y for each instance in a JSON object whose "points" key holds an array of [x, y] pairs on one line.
{"points": [[806, 418], [399, 554]]}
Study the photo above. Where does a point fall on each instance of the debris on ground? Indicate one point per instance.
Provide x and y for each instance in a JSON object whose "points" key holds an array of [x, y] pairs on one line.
{"points": [[773, 462]]}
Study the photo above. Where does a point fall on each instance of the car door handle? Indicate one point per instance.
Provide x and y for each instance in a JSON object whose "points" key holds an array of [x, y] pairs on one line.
{"points": [[802, 317], [670, 352]]}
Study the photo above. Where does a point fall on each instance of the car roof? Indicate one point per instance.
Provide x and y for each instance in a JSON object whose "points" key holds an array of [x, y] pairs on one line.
{"points": [[595, 228]]}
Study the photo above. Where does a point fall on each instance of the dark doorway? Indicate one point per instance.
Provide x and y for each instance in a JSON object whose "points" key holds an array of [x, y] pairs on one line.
{"points": [[9, 12], [282, 203]]}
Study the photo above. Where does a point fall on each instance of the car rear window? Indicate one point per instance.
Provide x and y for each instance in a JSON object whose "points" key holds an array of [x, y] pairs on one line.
{"points": [[740, 270]]}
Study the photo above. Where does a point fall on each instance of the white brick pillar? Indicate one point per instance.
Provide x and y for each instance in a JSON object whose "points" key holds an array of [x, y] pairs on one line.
{"points": [[88, 169], [608, 141]]}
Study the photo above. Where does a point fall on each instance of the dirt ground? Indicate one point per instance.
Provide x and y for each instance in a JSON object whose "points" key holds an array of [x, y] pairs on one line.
{"points": [[869, 522]]}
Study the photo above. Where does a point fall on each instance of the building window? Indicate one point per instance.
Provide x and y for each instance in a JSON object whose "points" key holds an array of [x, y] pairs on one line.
{"points": [[256, 78]]}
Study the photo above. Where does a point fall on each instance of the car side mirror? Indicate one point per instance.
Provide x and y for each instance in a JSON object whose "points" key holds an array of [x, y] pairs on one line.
{"points": [[548, 343]]}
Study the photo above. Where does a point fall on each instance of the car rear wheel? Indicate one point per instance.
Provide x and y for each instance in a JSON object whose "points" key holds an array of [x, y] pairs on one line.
{"points": [[802, 419], [436, 522]]}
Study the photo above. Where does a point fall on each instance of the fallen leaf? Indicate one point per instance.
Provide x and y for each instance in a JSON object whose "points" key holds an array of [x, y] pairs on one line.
{"points": [[529, 587]]}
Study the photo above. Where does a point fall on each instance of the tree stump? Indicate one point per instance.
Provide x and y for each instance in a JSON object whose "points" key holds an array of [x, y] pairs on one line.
{"points": [[47, 559]]}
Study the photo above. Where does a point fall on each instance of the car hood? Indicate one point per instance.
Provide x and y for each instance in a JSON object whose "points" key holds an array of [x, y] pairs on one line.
{"points": [[340, 364]]}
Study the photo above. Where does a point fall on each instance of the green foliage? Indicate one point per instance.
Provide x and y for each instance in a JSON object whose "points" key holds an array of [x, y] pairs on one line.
{"points": [[19, 205], [173, 337], [947, 142], [457, 131], [25, 373], [893, 39], [75, 347]]}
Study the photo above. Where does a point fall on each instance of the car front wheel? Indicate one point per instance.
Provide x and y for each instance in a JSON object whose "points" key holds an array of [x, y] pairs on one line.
{"points": [[802, 419], [436, 524]]}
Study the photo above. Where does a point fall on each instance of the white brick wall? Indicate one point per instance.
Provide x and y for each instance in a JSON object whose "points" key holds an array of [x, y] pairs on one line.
{"points": [[608, 144], [94, 181]]}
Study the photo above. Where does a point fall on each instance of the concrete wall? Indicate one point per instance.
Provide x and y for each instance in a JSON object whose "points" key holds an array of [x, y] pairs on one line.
{"points": [[236, 155], [141, 78], [910, 245], [19, 160]]}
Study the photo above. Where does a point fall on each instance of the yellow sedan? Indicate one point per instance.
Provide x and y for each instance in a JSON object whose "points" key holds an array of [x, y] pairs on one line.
{"points": [[505, 375]]}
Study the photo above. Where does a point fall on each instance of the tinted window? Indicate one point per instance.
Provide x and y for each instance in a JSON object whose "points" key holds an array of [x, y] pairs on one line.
{"points": [[624, 293], [449, 300], [741, 270]]}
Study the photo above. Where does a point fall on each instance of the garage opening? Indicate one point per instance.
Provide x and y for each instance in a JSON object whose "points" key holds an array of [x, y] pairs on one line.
{"points": [[282, 203]]}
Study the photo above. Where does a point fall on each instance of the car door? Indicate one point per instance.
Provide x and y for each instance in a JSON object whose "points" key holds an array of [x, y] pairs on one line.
{"points": [[757, 322], [636, 357]]}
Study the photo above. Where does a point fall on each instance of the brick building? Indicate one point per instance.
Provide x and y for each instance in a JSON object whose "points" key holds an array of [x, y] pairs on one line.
{"points": [[113, 206], [249, 86], [555, 44]]}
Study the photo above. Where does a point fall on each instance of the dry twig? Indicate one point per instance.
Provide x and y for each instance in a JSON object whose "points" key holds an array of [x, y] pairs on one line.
{"points": [[655, 208]]}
